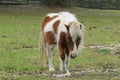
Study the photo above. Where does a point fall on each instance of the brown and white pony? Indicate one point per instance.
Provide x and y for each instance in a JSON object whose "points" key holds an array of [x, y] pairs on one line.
{"points": [[64, 30]]}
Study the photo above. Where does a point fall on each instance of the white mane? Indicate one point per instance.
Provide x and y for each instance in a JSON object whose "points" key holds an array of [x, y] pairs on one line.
{"points": [[76, 32]]}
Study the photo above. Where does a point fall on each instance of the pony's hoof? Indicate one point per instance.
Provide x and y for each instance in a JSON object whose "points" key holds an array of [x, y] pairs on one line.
{"points": [[51, 69], [67, 74], [62, 71]]}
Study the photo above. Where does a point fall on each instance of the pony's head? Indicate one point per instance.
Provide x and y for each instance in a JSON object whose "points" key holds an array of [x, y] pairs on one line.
{"points": [[74, 37]]}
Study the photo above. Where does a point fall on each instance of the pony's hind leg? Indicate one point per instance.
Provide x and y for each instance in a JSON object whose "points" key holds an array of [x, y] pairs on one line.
{"points": [[49, 55]]}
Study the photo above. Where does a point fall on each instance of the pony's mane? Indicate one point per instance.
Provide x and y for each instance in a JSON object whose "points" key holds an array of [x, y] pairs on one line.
{"points": [[67, 17], [76, 32]]}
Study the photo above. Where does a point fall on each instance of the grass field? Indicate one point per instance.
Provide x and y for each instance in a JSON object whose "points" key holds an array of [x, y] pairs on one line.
{"points": [[19, 44]]}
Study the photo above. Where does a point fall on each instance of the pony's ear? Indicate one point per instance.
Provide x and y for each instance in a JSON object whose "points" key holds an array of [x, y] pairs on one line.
{"points": [[80, 26], [67, 27]]}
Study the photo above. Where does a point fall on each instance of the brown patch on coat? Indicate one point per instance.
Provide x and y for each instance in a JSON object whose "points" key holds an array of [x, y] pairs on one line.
{"points": [[47, 19], [62, 45], [49, 38], [55, 26], [69, 41]]}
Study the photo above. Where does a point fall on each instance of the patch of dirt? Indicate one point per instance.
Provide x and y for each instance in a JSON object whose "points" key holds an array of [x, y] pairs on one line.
{"points": [[74, 74], [114, 49]]}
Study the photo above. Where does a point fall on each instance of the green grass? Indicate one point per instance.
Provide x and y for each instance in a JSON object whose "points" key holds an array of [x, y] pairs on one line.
{"points": [[106, 23], [19, 42]]}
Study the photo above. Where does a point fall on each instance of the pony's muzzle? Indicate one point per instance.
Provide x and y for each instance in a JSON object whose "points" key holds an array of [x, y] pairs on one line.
{"points": [[73, 55]]}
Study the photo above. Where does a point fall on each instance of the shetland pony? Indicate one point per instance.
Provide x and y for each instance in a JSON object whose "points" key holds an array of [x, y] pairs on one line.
{"points": [[64, 31]]}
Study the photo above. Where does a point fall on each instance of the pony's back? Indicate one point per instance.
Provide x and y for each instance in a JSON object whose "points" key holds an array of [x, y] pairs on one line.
{"points": [[67, 17]]}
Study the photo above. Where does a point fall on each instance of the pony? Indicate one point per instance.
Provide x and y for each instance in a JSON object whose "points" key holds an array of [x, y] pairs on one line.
{"points": [[64, 31]]}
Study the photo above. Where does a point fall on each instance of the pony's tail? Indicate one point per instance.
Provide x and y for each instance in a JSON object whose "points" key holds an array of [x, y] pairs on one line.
{"points": [[42, 51]]}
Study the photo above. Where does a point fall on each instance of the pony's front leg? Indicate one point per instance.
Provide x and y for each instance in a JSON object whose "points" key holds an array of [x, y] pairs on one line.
{"points": [[64, 65], [61, 65]]}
